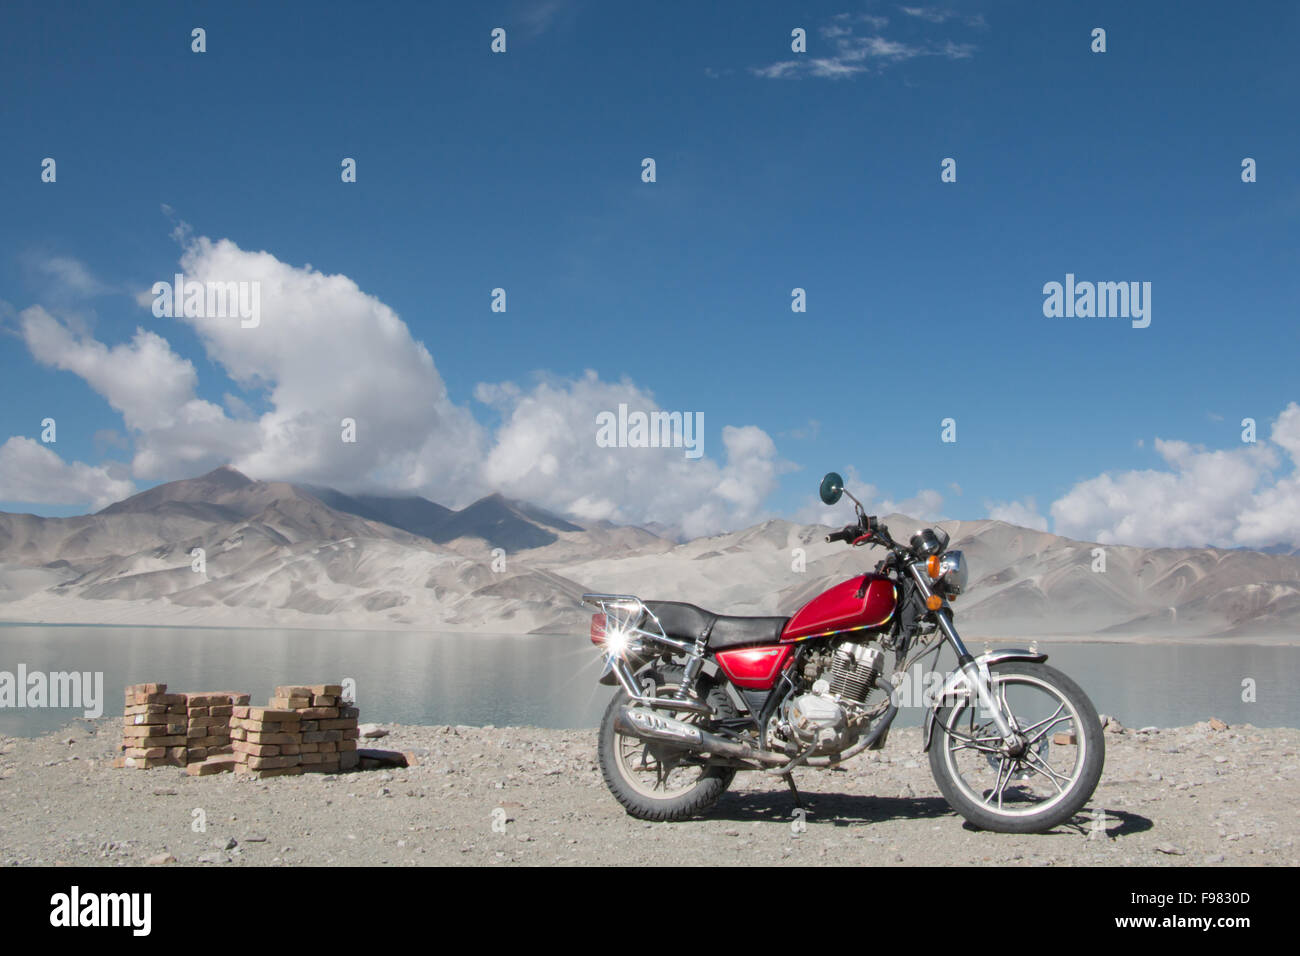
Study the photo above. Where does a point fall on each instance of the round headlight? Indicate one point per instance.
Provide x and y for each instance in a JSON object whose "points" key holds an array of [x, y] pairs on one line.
{"points": [[952, 573]]}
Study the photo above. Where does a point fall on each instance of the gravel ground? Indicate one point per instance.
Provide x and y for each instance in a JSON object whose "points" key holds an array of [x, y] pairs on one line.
{"points": [[1190, 795]]}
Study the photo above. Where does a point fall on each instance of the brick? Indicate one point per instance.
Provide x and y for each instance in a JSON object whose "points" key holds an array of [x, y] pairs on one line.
{"points": [[310, 725], [169, 700], [347, 746], [309, 748], [292, 690], [173, 741], [351, 713], [150, 752], [324, 700], [348, 760], [352, 733], [273, 715], [271, 763], [319, 712], [132, 709], [220, 710], [195, 754], [326, 690], [146, 720], [290, 749], [328, 747], [309, 759], [153, 730], [210, 766], [341, 724], [146, 763], [133, 689], [215, 740], [276, 738], [289, 703], [193, 712], [255, 750]]}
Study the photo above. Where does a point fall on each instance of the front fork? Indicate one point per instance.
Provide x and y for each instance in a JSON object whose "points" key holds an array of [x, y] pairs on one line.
{"points": [[974, 671]]}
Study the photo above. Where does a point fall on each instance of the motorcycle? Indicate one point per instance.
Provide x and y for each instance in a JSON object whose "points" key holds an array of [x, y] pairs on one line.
{"points": [[1014, 745]]}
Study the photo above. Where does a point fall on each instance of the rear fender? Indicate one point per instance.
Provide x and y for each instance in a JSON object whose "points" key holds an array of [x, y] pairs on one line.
{"points": [[957, 686]]}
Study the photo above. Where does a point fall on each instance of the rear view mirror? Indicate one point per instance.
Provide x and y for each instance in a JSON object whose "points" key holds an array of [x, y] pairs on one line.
{"points": [[832, 488]]}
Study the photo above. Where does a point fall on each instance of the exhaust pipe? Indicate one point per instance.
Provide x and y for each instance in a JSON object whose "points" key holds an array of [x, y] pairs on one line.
{"points": [[647, 725]]}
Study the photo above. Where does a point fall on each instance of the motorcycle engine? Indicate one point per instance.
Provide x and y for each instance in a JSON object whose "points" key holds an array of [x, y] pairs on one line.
{"points": [[820, 718]]}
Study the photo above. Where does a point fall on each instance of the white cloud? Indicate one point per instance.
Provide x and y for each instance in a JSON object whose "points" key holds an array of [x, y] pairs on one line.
{"points": [[1227, 498], [1022, 513], [851, 53], [546, 452], [32, 472], [70, 276], [325, 351]]}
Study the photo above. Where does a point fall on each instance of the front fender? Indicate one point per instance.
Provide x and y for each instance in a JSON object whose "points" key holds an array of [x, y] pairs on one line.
{"points": [[956, 682]]}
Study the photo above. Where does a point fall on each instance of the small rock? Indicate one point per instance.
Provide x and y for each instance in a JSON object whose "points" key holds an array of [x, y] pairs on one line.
{"points": [[160, 858], [255, 838], [372, 731], [1170, 849], [1217, 724], [224, 843]]}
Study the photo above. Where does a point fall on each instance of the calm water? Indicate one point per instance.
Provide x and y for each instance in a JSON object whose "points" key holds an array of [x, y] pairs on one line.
{"points": [[551, 681]]}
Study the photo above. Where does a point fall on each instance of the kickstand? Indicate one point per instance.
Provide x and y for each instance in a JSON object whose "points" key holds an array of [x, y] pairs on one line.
{"points": [[789, 782]]}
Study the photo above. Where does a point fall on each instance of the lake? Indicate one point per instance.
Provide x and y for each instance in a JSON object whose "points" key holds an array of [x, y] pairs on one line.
{"points": [[550, 681]]}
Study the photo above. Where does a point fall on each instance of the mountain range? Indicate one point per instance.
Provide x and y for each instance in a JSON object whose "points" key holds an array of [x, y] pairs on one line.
{"points": [[276, 554]]}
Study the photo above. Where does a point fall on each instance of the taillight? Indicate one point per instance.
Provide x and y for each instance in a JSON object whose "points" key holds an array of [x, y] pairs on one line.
{"points": [[598, 629]]}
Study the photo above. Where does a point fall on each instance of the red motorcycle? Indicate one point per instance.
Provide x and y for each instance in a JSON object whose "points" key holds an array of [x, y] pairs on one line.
{"points": [[1014, 744]]}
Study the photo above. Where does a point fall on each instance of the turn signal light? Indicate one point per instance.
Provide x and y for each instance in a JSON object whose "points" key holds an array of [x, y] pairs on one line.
{"points": [[934, 602], [932, 566], [598, 629]]}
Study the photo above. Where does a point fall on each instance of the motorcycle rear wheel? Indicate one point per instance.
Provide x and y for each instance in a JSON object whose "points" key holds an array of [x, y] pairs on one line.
{"points": [[653, 781]]}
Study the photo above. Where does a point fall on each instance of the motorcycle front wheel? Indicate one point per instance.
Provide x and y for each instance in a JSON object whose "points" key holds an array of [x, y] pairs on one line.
{"points": [[1044, 785]]}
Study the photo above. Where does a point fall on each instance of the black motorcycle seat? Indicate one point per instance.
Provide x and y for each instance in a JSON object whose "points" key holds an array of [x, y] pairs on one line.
{"points": [[686, 622]]}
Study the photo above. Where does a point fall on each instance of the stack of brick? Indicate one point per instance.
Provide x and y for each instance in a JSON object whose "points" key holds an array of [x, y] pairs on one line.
{"points": [[267, 741], [154, 728], [306, 729], [328, 725], [208, 744]]}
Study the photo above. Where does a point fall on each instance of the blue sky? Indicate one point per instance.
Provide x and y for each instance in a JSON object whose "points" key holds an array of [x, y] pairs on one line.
{"points": [[522, 170]]}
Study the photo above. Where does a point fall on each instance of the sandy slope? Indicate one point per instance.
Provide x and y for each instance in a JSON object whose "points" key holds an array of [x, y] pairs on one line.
{"points": [[278, 556]]}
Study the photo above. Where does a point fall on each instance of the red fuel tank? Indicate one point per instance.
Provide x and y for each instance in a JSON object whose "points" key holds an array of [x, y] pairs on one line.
{"points": [[841, 609]]}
